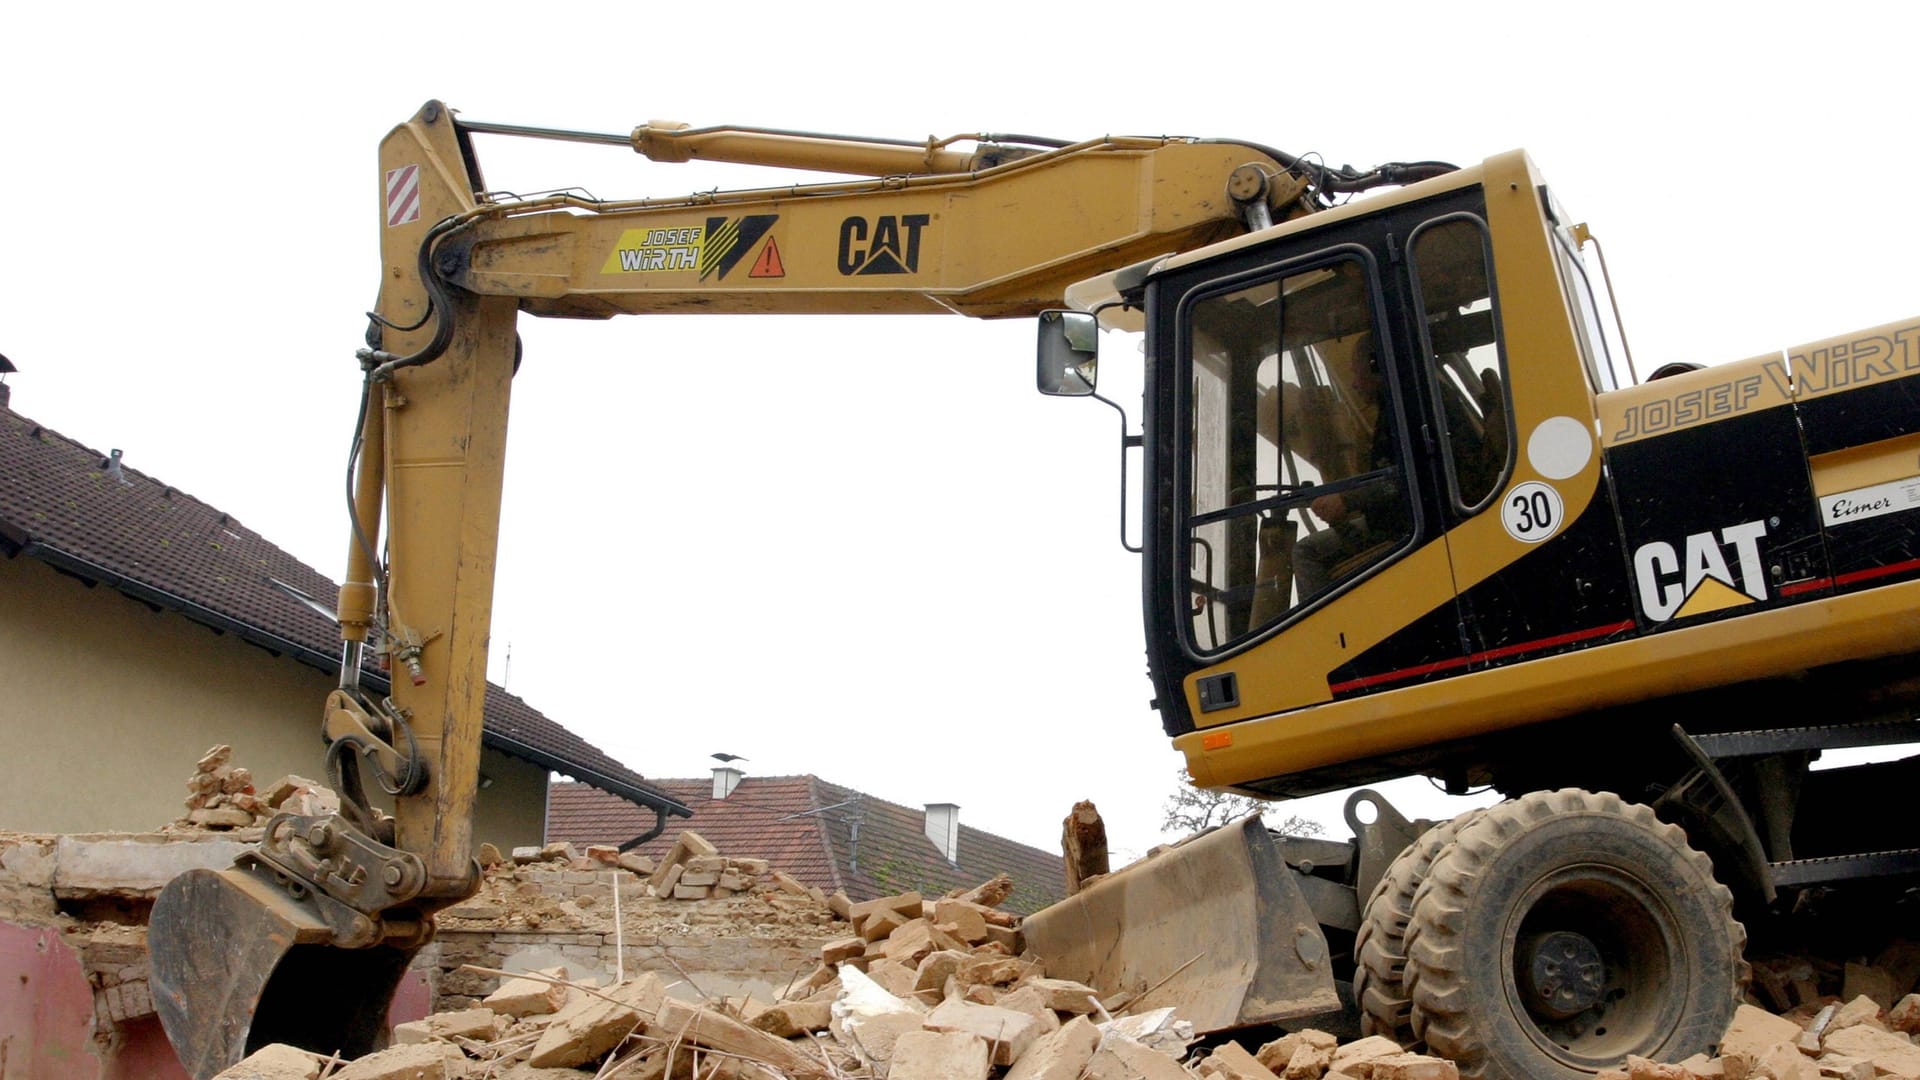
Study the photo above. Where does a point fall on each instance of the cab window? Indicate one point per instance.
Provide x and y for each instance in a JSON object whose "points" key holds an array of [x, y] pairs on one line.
{"points": [[1466, 375], [1294, 483]]}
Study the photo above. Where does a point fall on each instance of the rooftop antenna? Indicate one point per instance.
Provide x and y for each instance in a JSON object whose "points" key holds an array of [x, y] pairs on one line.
{"points": [[851, 820]]}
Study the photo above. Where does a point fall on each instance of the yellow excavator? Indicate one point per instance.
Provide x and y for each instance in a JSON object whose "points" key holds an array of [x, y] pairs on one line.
{"points": [[1401, 517]]}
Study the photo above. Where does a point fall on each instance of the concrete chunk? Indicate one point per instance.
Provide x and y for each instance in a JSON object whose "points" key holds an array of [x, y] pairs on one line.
{"points": [[967, 921], [1421, 1067], [687, 845], [894, 977], [1067, 996], [1061, 1055], [995, 970], [1373, 1046], [275, 1061], [1841, 1067], [1276, 1054], [704, 1027], [591, 1025], [666, 879], [1010, 1032], [939, 1055], [1702, 1067], [1868, 981], [930, 978], [464, 1023], [418, 1062], [1752, 1033], [906, 905], [880, 925], [875, 1037], [1891, 1054], [842, 949], [1233, 1062], [910, 943], [1784, 1062], [1861, 1010], [90, 869], [794, 1018], [529, 997], [1030, 1001], [1009, 938], [1905, 1014], [1121, 1058]]}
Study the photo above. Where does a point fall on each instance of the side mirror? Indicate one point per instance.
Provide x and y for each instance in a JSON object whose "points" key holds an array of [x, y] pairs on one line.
{"points": [[1069, 353]]}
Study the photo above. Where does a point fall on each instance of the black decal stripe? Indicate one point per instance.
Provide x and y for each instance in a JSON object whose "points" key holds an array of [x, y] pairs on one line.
{"points": [[748, 232], [720, 236], [1487, 656]]}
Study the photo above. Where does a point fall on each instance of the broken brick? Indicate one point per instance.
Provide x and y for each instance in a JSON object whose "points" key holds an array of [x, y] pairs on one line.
{"points": [[529, 997], [793, 1018], [275, 1061], [1010, 1032], [1061, 1055], [592, 1024], [939, 1055], [1868, 981], [1232, 1062]]}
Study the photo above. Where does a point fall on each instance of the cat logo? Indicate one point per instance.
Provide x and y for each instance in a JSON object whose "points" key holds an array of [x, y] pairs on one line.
{"points": [[1700, 579], [889, 244]]}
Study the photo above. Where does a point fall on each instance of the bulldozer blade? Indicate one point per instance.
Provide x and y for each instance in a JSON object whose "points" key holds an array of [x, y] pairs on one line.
{"points": [[238, 964], [1216, 927]]}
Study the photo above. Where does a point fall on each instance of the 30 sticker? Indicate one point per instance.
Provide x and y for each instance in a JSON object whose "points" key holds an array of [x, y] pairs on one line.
{"points": [[1532, 512]]}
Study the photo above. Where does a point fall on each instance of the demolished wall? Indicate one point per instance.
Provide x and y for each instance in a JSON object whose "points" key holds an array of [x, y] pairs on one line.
{"points": [[551, 907]]}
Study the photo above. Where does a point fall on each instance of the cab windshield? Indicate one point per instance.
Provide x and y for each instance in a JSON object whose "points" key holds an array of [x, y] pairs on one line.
{"points": [[1295, 485]]}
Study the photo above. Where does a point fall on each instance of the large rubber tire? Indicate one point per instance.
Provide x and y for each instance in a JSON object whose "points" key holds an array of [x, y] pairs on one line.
{"points": [[1380, 948], [1563, 931]]}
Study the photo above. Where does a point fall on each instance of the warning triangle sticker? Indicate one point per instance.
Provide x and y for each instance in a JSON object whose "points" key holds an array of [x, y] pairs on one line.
{"points": [[768, 264], [1712, 595]]}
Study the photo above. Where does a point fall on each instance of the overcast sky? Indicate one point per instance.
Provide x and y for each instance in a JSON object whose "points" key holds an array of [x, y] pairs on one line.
{"points": [[856, 547]]}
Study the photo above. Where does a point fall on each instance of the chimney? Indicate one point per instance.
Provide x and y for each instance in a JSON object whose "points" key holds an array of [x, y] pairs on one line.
{"points": [[6, 392], [725, 779], [943, 828]]}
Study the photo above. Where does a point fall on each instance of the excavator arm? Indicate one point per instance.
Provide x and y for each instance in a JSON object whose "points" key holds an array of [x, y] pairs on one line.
{"points": [[982, 239], [1001, 230]]}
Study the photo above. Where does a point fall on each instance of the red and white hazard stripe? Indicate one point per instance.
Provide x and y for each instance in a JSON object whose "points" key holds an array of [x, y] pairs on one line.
{"points": [[403, 195]]}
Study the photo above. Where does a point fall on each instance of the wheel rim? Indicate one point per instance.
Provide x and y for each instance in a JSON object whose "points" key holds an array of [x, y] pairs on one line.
{"points": [[1590, 965]]}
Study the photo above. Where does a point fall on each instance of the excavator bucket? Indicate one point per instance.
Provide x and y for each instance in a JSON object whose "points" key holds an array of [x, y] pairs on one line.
{"points": [[1216, 927], [237, 963]]}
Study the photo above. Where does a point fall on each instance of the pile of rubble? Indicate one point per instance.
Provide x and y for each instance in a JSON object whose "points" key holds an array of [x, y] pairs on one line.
{"points": [[919, 990], [693, 869], [944, 989], [1858, 1040], [221, 795]]}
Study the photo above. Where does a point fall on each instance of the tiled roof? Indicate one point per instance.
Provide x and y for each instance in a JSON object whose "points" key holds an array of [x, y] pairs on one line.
{"points": [[806, 827], [99, 519]]}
